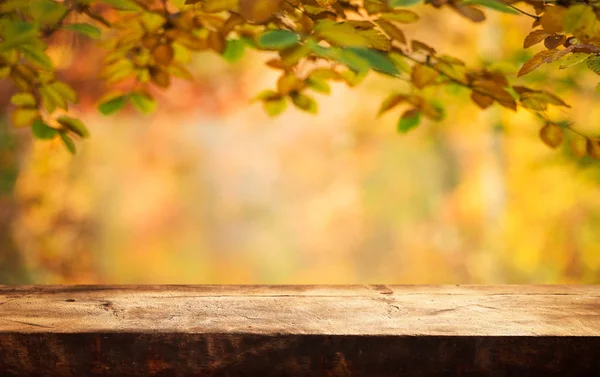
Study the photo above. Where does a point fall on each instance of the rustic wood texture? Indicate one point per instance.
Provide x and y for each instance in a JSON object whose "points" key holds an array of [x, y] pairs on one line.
{"points": [[300, 331]]}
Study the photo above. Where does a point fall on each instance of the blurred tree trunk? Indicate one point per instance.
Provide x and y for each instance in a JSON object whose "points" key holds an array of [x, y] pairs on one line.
{"points": [[12, 266]]}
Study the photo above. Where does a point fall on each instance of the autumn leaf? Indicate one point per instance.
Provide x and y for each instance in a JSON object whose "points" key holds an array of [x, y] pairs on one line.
{"points": [[534, 38], [542, 57], [163, 54], [423, 76], [552, 135], [469, 12], [258, 11], [390, 102], [553, 41], [482, 100], [593, 148], [552, 20]]}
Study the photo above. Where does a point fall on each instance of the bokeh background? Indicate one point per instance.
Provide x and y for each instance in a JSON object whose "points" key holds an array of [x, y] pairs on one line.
{"points": [[208, 189]]}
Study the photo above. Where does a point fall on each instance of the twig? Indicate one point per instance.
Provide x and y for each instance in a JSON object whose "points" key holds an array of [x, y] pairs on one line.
{"points": [[537, 18]]}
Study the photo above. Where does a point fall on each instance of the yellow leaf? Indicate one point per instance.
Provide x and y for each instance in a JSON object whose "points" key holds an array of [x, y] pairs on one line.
{"points": [[482, 100], [392, 31], [292, 55], [215, 6], [542, 57], [401, 15], [340, 34], [468, 11], [553, 19], [376, 39], [288, 83], [163, 54], [496, 91], [150, 40], [258, 11], [578, 146], [423, 75], [534, 38], [23, 99], [390, 102], [593, 148], [216, 41], [552, 135], [159, 77], [23, 116]]}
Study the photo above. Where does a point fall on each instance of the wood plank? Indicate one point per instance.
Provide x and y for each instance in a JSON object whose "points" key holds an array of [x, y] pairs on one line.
{"points": [[371, 330]]}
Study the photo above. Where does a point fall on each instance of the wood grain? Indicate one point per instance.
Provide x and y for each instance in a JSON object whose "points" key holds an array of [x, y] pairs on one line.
{"points": [[371, 330]]}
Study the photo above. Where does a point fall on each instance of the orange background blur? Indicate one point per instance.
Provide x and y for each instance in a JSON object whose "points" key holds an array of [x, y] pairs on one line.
{"points": [[208, 189]]}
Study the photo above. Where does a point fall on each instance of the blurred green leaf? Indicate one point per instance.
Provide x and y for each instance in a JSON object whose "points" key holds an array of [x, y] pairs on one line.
{"points": [[143, 102], [403, 3], [377, 60], [409, 120], [234, 50], [74, 125], [277, 39], [68, 142], [85, 29], [112, 105], [42, 131]]}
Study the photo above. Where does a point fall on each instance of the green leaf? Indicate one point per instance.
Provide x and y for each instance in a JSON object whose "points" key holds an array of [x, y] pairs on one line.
{"points": [[17, 33], [409, 120], [85, 29], [492, 4], [112, 105], [74, 125], [234, 50], [277, 39], [68, 142], [403, 3], [42, 131], [143, 102], [377, 60]]}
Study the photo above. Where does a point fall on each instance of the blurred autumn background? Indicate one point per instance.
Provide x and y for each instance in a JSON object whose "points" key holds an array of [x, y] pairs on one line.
{"points": [[209, 189]]}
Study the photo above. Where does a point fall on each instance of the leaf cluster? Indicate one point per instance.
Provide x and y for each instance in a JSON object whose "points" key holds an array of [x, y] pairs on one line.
{"points": [[312, 43]]}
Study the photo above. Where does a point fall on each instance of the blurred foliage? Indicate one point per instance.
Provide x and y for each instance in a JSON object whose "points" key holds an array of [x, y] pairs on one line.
{"points": [[210, 190], [317, 42]]}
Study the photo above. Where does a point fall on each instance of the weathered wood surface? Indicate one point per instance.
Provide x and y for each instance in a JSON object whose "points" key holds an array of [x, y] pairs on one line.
{"points": [[300, 331]]}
